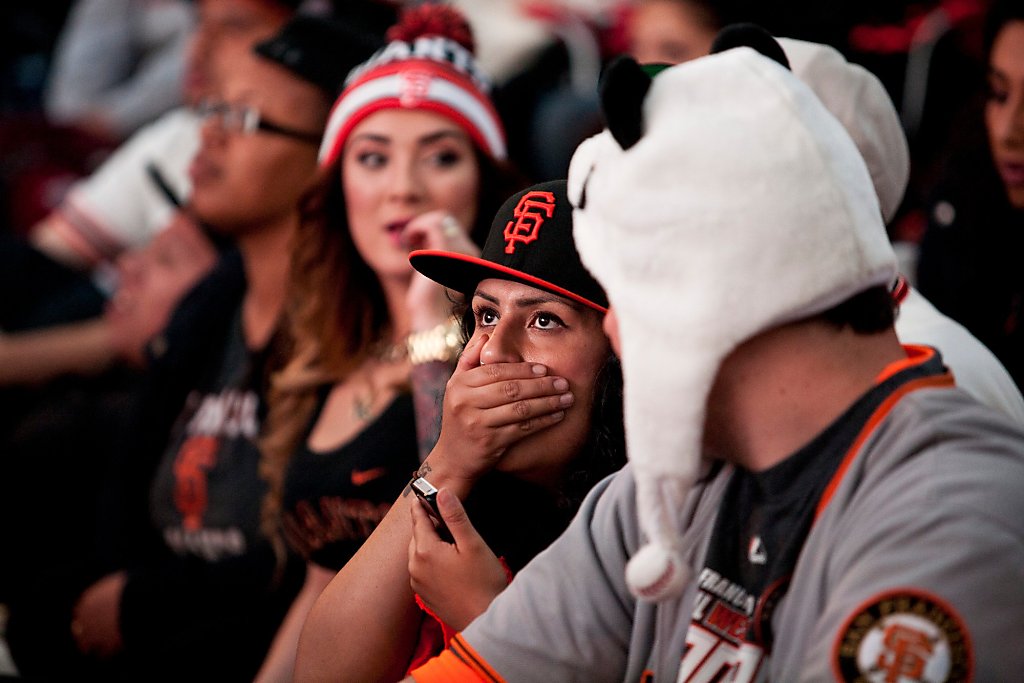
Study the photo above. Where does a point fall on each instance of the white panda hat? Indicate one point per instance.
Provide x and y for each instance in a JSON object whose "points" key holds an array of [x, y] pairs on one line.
{"points": [[722, 201]]}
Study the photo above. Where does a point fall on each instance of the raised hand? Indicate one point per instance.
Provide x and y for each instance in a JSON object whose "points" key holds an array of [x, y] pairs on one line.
{"points": [[487, 408], [457, 581], [427, 301]]}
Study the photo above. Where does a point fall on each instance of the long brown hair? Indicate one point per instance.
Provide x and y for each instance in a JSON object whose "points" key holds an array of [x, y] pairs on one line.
{"points": [[336, 317]]}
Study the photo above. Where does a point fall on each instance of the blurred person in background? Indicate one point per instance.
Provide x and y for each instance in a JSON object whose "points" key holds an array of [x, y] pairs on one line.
{"points": [[64, 269], [118, 64], [151, 281], [199, 590], [70, 378], [671, 31], [969, 263]]}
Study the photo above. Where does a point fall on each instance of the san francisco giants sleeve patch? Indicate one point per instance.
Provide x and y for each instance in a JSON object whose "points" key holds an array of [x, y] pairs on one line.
{"points": [[902, 636]]}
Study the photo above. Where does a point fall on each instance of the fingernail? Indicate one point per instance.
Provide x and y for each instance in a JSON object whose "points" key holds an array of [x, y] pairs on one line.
{"points": [[566, 399], [539, 369], [443, 497], [558, 416], [561, 384]]}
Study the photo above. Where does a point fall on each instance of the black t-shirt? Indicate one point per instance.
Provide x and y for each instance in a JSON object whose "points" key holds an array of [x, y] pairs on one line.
{"points": [[208, 603], [207, 493], [333, 500]]}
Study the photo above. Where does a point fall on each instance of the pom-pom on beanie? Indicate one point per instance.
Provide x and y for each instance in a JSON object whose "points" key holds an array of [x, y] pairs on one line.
{"points": [[726, 202], [428, 64]]}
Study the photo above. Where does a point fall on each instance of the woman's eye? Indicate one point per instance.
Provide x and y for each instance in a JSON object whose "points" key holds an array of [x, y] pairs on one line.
{"points": [[445, 159], [546, 321], [996, 93], [371, 159], [486, 317]]}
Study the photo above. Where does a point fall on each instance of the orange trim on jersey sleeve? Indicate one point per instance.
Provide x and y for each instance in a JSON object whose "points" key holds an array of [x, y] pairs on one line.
{"points": [[458, 664], [936, 381], [915, 356]]}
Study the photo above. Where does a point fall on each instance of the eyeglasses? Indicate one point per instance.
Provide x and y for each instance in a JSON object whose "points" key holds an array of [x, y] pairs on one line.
{"points": [[241, 118]]}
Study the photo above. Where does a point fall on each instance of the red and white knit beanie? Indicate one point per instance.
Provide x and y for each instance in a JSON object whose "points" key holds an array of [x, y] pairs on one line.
{"points": [[428, 65]]}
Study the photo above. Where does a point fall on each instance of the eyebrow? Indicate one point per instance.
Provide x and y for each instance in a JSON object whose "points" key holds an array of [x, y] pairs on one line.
{"points": [[440, 135], [527, 301], [428, 139]]}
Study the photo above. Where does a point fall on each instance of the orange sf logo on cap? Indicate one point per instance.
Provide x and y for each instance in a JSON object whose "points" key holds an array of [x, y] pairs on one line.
{"points": [[529, 214]]}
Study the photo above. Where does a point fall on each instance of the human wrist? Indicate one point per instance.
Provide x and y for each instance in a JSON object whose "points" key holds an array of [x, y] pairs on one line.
{"points": [[443, 476]]}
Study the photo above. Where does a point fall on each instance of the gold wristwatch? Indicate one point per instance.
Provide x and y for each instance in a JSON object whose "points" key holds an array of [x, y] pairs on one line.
{"points": [[443, 342]]}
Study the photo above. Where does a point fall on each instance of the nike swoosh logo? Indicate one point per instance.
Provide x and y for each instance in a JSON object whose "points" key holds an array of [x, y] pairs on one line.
{"points": [[361, 477]]}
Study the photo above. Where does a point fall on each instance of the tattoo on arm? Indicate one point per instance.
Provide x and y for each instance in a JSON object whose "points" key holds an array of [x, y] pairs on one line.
{"points": [[423, 471]]}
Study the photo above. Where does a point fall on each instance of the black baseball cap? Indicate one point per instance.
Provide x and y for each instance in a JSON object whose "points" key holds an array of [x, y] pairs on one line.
{"points": [[320, 50], [530, 242]]}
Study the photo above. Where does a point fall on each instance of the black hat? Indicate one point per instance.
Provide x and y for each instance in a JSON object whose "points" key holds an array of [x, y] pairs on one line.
{"points": [[530, 242], [373, 16], [319, 50]]}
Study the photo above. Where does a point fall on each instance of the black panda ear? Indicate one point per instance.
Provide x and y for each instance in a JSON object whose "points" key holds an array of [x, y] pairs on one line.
{"points": [[624, 86], [752, 36]]}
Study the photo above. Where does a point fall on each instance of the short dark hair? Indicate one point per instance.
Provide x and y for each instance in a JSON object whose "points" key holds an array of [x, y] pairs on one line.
{"points": [[873, 310]]}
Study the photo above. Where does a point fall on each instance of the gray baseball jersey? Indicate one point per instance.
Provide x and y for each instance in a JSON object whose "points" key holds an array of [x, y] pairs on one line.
{"points": [[913, 570]]}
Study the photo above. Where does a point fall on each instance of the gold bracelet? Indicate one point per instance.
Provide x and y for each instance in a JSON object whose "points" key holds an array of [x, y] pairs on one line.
{"points": [[443, 342]]}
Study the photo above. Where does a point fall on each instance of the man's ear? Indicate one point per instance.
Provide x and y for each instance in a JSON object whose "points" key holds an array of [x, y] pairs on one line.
{"points": [[610, 324]]}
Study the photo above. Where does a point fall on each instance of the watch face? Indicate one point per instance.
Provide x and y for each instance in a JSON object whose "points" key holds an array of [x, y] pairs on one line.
{"points": [[426, 492], [423, 488], [440, 343]]}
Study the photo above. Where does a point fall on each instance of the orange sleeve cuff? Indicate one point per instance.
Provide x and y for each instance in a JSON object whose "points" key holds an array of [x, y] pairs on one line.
{"points": [[458, 664]]}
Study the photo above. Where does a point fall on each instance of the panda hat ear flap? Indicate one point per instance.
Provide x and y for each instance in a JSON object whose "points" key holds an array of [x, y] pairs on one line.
{"points": [[752, 36], [623, 87]]}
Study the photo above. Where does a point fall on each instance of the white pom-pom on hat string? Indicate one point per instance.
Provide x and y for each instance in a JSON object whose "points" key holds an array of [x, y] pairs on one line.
{"points": [[658, 571]]}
